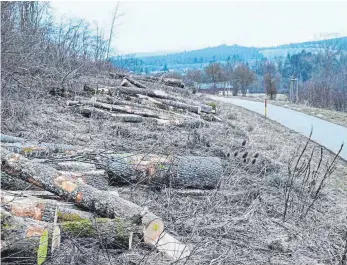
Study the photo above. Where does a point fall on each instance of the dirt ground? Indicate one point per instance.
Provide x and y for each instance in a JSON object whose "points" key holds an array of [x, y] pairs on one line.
{"points": [[240, 223]]}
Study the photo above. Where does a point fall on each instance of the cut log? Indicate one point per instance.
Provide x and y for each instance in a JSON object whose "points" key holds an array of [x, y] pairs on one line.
{"points": [[12, 183], [206, 108], [21, 237], [75, 166], [103, 203], [210, 117], [125, 109], [92, 178], [38, 149], [148, 92], [96, 90], [181, 105], [135, 83], [11, 139], [173, 82], [186, 172], [118, 75], [93, 112], [126, 83], [41, 209]]}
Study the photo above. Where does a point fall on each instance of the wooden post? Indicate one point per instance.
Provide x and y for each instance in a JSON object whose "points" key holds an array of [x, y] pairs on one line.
{"points": [[265, 113]]}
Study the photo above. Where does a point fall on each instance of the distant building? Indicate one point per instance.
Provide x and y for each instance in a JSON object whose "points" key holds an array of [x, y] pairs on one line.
{"points": [[217, 88]]}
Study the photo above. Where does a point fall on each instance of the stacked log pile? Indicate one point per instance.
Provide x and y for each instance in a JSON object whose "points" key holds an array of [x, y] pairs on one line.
{"points": [[134, 101], [73, 198]]}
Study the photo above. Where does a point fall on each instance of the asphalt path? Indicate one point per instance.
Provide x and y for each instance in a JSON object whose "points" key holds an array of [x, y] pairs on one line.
{"points": [[327, 134]]}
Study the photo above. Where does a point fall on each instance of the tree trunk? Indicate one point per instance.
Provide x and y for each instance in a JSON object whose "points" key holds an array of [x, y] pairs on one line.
{"points": [[181, 105], [186, 172]]}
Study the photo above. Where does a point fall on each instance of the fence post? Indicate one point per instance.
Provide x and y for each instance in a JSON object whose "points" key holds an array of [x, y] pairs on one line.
{"points": [[265, 107]]}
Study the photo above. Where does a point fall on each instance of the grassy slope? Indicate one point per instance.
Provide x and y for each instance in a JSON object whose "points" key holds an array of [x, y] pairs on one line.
{"points": [[243, 224]]}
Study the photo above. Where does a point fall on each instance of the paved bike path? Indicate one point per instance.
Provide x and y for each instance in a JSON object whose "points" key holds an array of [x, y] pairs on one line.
{"points": [[325, 133]]}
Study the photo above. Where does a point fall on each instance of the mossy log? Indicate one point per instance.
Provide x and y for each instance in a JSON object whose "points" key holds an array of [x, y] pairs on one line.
{"points": [[105, 204], [185, 171], [21, 237]]}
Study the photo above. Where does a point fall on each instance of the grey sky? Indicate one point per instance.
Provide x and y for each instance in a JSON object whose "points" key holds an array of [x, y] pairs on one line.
{"points": [[176, 26]]}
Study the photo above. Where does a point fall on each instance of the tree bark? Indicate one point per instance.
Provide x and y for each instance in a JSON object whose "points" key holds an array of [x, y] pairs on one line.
{"points": [[186, 171]]}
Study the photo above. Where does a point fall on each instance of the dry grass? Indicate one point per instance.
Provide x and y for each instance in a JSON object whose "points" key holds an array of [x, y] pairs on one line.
{"points": [[239, 224]]}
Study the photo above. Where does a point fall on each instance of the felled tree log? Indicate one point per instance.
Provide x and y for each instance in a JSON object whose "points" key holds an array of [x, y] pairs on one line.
{"points": [[21, 237], [186, 171], [173, 82], [75, 166], [96, 90], [181, 105], [126, 83], [148, 92], [12, 183], [206, 108], [90, 112], [38, 149], [135, 83], [103, 203], [11, 139], [41, 209], [92, 178], [125, 109]]}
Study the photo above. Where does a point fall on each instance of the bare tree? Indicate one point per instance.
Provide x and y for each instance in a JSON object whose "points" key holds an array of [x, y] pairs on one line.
{"points": [[243, 77], [195, 76], [271, 79], [214, 72]]}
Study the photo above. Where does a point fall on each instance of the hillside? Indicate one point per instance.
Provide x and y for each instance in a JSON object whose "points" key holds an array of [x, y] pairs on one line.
{"points": [[223, 53], [102, 166], [242, 219]]}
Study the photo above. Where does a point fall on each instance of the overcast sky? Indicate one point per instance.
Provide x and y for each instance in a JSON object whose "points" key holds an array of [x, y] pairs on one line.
{"points": [[176, 26]]}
